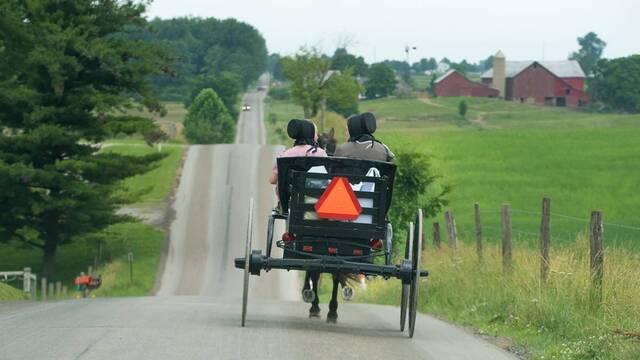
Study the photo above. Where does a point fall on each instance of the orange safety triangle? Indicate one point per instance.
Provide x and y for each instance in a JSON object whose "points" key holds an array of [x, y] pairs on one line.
{"points": [[338, 201]]}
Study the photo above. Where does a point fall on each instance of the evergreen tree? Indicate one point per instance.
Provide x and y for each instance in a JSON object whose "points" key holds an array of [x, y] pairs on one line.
{"points": [[208, 121], [65, 71]]}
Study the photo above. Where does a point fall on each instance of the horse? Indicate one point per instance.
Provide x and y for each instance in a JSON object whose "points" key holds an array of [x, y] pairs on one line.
{"points": [[328, 142]]}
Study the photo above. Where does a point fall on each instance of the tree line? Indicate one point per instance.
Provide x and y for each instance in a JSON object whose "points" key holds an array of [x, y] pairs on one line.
{"points": [[224, 55], [614, 84]]}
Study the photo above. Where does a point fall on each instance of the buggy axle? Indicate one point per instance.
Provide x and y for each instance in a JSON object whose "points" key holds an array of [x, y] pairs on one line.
{"points": [[259, 262]]}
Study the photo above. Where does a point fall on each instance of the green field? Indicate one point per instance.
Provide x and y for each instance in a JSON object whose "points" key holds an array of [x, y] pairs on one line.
{"points": [[506, 152]]}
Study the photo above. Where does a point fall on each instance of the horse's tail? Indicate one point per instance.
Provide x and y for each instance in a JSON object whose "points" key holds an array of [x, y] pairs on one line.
{"points": [[350, 279]]}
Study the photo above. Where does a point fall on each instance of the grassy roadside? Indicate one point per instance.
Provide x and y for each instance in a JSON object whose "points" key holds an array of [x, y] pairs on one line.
{"points": [[556, 320], [144, 241], [9, 293]]}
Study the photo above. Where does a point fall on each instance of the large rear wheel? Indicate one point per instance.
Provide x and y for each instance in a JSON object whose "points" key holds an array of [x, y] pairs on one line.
{"points": [[270, 225], [405, 287], [415, 277], [247, 262]]}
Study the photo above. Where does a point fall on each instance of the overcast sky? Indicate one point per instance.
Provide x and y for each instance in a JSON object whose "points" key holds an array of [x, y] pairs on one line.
{"points": [[457, 29]]}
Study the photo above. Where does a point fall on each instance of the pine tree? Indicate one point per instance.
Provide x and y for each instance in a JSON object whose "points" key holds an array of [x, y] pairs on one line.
{"points": [[208, 121], [67, 72]]}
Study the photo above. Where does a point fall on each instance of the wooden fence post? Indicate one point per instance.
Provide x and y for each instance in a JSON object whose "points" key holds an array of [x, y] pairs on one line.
{"points": [[51, 291], [130, 259], [43, 291], [436, 235], [58, 289], [64, 291], [451, 229], [26, 281], [545, 238], [476, 210], [597, 254], [506, 238]]}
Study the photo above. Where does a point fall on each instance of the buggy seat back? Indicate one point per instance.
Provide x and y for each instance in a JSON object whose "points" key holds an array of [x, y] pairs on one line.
{"points": [[299, 190]]}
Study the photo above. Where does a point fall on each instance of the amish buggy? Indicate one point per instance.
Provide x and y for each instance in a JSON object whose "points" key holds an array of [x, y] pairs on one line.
{"points": [[335, 210]]}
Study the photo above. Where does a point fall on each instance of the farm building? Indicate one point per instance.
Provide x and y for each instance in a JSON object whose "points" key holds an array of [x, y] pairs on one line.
{"points": [[453, 83], [559, 83]]}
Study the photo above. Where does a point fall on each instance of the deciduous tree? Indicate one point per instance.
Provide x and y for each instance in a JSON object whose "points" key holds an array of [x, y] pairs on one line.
{"points": [[307, 72], [381, 81], [342, 92], [591, 47], [616, 83], [227, 85]]}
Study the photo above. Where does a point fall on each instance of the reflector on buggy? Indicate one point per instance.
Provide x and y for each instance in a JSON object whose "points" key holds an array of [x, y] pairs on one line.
{"points": [[335, 211]]}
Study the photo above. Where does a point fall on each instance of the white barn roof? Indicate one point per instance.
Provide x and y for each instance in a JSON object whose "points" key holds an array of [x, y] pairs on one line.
{"points": [[562, 68]]}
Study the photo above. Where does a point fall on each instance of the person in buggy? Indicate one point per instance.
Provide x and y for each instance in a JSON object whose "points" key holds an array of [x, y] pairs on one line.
{"points": [[362, 144], [305, 136]]}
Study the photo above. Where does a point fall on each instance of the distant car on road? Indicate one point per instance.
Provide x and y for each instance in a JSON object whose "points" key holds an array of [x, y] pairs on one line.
{"points": [[261, 88], [246, 107]]}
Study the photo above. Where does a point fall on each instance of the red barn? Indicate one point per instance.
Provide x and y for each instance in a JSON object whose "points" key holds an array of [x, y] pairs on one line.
{"points": [[453, 83], [559, 83]]}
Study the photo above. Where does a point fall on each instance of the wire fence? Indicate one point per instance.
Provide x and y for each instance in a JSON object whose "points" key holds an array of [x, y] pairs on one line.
{"points": [[565, 228]]}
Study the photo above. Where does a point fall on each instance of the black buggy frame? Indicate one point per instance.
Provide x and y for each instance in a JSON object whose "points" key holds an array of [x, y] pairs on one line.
{"points": [[330, 246]]}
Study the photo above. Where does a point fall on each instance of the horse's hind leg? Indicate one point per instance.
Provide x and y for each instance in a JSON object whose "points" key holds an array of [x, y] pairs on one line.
{"points": [[332, 316], [314, 311]]}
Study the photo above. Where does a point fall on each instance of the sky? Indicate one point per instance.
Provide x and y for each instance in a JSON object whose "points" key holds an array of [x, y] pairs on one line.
{"points": [[463, 29]]}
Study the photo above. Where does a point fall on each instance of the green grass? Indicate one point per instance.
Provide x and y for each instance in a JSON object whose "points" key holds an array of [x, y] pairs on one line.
{"points": [[420, 82], [520, 153], [158, 181], [143, 240], [557, 320], [10, 293]]}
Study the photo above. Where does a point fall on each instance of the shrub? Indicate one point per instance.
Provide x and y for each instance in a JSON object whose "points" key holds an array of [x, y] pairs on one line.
{"points": [[462, 108], [415, 187]]}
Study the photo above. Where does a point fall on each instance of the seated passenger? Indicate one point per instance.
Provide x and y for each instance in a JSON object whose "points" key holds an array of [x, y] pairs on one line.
{"points": [[305, 134], [362, 144]]}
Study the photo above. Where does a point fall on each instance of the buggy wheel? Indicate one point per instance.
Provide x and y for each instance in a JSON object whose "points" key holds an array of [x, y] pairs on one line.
{"points": [[247, 261], [415, 277], [405, 287]]}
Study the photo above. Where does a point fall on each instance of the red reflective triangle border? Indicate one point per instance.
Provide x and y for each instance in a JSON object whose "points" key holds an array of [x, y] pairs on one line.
{"points": [[323, 214]]}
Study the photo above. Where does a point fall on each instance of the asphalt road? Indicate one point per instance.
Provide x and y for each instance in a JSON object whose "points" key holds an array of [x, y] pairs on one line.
{"points": [[196, 311]]}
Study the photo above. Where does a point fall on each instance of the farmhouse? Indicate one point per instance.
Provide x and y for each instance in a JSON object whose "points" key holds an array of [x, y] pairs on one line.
{"points": [[559, 83], [453, 83]]}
